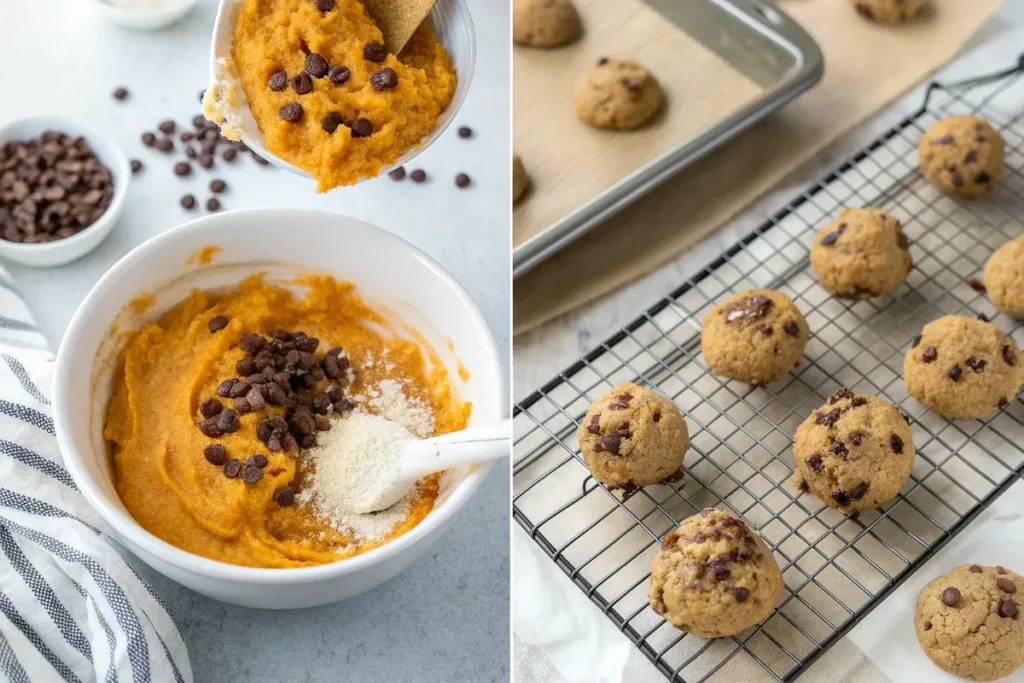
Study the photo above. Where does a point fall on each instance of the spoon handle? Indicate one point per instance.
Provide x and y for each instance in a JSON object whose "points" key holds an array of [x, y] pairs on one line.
{"points": [[475, 444]]}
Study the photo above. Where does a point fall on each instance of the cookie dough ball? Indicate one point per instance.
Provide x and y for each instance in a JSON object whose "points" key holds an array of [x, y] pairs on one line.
{"points": [[756, 336], [1004, 278], [714, 576], [520, 181], [961, 156], [862, 253], [967, 622], [617, 93], [633, 437], [962, 368], [854, 453], [889, 11], [544, 23]]}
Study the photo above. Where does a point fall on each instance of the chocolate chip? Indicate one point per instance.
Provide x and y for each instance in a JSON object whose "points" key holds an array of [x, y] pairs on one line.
{"points": [[291, 112], [259, 160], [210, 407], [190, 152], [397, 173], [121, 94], [856, 439], [944, 140], [257, 460], [462, 180], [915, 341], [983, 318], [901, 240], [1006, 586], [982, 178], [1008, 609], [1000, 569], [232, 468], [791, 328], [285, 497], [251, 343], [831, 238], [251, 474], [859, 491], [418, 176], [840, 497], [814, 463], [362, 128], [182, 169], [896, 443], [839, 448], [230, 154], [974, 569], [858, 402], [215, 454], [609, 443], [278, 81], [275, 395], [971, 156], [165, 145], [741, 594], [167, 127], [375, 52], [384, 79], [657, 417], [316, 65], [206, 160], [343, 406], [766, 330], [227, 421], [803, 485], [339, 74], [136, 165], [955, 373], [148, 139], [950, 597], [927, 626], [751, 308], [242, 406], [465, 132], [331, 122], [274, 443], [302, 84], [830, 418], [212, 204], [929, 355], [324, 5], [865, 10], [1009, 356], [976, 364]]}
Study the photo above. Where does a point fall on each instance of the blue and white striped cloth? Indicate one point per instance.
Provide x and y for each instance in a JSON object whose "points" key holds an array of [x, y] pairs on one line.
{"points": [[71, 608]]}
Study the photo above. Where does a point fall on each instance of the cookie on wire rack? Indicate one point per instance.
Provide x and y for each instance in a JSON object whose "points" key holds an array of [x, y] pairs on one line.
{"points": [[861, 253], [962, 156]]}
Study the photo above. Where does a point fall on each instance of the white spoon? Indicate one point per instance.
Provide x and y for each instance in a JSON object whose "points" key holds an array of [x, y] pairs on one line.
{"points": [[420, 457]]}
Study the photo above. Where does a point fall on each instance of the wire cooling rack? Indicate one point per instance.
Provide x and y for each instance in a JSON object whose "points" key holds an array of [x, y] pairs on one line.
{"points": [[836, 569]]}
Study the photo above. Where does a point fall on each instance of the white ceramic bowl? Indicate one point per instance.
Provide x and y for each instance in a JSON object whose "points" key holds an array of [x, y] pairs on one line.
{"points": [[453, 25], [390, 273], [163, 14], [106, 150]]}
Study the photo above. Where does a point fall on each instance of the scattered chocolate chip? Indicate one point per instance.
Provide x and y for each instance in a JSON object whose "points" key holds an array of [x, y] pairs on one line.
{"points": [[982, 178], [218, 323], [242, 406], [1009, 356], [976, 364], [210, 407], [291, 112], [858, 402], [741, 594], [215, 454], [929, 355], [316, 65], [865, 10], [285, 497], [232, 468], [859, 491], [656, 417], [324, 5], [148, 139], [331, 122], [227, 421], [791, 328], [1008, 609], [465, 132], [944, 140], [983, 318], [397, 173], [856, 439], [1006, 586], [462, 180], [751, 308], [384, 79], [257, 460], [974, 569], [339, 74], [167, 127], [251, 474], [218, 186], [213, 204], [901, 240], [831, 238], [915, 341], [206, 160], [136, 165], [182, 169], [278, 81], [230, 154], [927, 626], [190, 152], [950, 597], [803, 485], [362, 128], [121, 94], [165, 145], [251, 343], [259, 160], [840, 497], [814, 463], [896, 443], [418, 176], [375, 52], [302, 84], [830, 418], [839, 448], [609, 443], [971, 156], [955, 373]]}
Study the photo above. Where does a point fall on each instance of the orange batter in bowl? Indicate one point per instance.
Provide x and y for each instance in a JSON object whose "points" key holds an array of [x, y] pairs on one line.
{"points": [[167, 371], [327, 95]]}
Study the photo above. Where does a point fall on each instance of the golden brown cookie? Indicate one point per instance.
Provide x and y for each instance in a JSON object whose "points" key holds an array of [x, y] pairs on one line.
{"points": [[714, 576], [853, 453], [617, 93], [756, 336], [520, 181], [862, 253], [889, 11], [545, 23], [633, 437], [963, 368], [1004, 278], [968, 624], [961, 156]]}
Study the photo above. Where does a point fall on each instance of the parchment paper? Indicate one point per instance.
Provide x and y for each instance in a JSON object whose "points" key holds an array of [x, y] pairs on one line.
{"points": [[867, 65]]}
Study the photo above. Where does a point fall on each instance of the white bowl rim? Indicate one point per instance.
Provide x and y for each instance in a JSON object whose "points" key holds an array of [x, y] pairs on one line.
{"points": [[129, 529], [120, 188]]}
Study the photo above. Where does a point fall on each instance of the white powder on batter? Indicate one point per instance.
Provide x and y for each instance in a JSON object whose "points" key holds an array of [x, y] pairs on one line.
{"points": [[389, 399], [359, 450]]}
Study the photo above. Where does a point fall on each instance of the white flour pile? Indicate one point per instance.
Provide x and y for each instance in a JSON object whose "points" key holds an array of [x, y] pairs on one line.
{"points": [[388, 398], [358, 455]]}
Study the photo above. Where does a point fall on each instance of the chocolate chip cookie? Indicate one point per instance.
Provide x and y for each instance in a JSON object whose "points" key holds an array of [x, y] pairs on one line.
{"points": [[632, 437], [889, 11], [545, 23], [1004, 278], [756, 336], [853, 453], [862, 253], [714, 576], [963, 368], [617, 93], [968, 624], [961, 156]]}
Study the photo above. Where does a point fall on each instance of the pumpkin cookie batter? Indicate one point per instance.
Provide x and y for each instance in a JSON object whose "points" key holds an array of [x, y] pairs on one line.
{"points": [[204, 463], [327, 95]]}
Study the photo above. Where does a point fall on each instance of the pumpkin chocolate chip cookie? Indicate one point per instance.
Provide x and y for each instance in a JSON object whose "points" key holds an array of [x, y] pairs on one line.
{"points": [[961, 156], [967, 622], [962, 368], [1004, 278], [854, 453], [632, 437], [617, 93], [862, 253], [714, 576], [889, 11], [544, 23], [756, 336]]}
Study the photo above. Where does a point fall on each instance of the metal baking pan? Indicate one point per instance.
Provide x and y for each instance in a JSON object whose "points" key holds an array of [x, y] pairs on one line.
{"points": [[753, 37]]}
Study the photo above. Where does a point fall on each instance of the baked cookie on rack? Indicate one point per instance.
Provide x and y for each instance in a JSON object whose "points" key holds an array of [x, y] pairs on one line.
{"points": [[714, 576], [963, 368], [545, 23], [854, 453], [617, 93], [632, 437], [889, 11], [861, 253], [961, 156], [520, 181], [756, 336], [1004, 278], [967, 622]]}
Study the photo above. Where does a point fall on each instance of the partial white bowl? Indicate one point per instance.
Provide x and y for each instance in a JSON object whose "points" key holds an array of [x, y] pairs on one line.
{"points": [[158, 16], [65, 250], [390, 273], [452, 24]]}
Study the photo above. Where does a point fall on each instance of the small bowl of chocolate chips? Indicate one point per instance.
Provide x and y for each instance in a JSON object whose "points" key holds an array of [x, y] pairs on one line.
{"points": [[62, 187]]}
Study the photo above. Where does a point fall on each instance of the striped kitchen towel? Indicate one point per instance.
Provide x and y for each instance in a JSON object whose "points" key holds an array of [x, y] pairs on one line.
{"points": [[71, 608]]}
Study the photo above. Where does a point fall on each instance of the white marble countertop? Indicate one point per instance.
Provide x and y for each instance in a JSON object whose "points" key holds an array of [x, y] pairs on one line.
{"points": [[541, 353], [450, 611]]}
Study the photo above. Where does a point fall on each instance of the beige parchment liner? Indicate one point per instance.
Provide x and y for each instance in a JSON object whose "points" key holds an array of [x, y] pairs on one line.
{"points": [[867, 65]]}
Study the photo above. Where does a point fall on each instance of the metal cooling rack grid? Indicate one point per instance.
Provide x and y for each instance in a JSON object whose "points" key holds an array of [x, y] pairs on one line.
{"points": [[836, 569]]}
